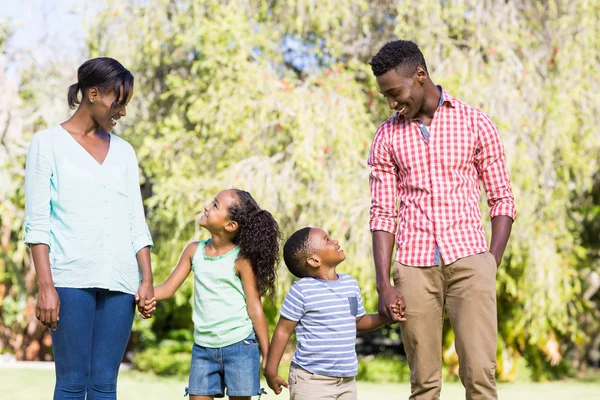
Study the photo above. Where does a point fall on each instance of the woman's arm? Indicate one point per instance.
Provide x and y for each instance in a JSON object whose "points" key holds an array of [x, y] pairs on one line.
{"points": [[254, 305], [38, 174], [48, 302], [141, 242], [146, 289]]}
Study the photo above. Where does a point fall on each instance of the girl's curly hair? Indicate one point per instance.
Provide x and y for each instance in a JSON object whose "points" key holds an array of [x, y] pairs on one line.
{"points": [[258, 238]]}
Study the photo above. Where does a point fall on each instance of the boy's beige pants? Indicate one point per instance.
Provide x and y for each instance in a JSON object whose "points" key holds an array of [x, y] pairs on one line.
{"points": [[467, 289], [305, 385]]}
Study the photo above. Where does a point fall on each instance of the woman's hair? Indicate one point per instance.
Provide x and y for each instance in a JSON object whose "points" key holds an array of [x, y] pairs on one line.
{"points": [[104, 73], [258, 238]]}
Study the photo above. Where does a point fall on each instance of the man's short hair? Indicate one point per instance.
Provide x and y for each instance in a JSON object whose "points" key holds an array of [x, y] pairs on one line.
{"points": [[296, 251], [402, 55]]}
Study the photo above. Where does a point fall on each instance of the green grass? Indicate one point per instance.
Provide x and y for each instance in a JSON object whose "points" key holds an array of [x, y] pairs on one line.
{"points": [[25, 384]]}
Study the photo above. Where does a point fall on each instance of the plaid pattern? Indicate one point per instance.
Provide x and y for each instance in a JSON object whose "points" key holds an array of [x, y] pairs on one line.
{"points": [[437, 183]]}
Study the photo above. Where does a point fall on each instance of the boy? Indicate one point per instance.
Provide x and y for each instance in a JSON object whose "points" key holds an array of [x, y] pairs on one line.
{"points": [[326, 310]]}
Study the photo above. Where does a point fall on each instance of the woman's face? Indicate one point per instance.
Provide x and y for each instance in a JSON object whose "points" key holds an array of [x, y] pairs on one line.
{"points": [[104, 114]]}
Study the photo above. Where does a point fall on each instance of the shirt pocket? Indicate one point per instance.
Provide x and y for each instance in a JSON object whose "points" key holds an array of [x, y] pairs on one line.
{"points": [[353, 303]]}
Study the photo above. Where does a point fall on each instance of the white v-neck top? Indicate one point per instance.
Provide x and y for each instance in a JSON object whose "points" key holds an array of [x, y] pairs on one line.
{"points": [[89, 214]]}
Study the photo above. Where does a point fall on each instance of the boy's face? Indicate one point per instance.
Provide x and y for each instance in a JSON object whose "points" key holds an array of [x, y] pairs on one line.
{"points": [[327, 250]]}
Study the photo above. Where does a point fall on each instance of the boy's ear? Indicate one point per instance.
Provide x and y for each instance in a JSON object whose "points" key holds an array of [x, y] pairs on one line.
{"points": [[231, 226], [314, 261]]}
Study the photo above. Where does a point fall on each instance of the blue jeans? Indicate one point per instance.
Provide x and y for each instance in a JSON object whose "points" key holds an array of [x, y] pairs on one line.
{"points": [[90, 341]]}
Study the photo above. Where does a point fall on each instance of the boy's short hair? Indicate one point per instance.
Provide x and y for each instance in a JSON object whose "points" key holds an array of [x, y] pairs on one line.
{"points": [[296, 251]]}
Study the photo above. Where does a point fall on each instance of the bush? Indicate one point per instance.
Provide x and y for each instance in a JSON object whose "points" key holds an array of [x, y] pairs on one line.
{"points": [[383, 369]]}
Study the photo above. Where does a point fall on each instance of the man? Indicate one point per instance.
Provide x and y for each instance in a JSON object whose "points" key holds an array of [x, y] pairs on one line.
{"points": [[431, 155]]}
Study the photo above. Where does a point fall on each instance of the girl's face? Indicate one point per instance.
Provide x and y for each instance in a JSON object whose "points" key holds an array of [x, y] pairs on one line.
{"points": [[216, 214]]}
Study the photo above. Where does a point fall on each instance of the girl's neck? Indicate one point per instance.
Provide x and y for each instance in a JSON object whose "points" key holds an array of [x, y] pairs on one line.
{"points": [[219, 244]]}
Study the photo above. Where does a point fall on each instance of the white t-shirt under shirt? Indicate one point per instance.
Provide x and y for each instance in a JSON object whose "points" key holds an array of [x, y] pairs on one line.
{"points": [[326, 313]]}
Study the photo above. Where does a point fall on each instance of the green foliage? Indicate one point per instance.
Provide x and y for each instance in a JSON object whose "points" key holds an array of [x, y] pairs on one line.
{"points": [[171, 356], [383, 370]]}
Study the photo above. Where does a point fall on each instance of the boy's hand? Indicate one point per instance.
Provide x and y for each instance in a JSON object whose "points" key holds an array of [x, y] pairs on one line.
{"points": [[398, 309], [148, 309], [275, 382]]}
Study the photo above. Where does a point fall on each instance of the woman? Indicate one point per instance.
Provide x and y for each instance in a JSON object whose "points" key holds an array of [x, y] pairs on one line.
{"points": [[86, 227]]}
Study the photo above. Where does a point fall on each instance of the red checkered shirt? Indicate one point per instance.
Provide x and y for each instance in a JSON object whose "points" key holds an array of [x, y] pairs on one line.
{"points": [[437, 183]]}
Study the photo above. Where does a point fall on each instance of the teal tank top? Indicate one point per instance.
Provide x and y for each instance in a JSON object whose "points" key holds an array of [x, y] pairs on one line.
{"points": [[220, 313]]}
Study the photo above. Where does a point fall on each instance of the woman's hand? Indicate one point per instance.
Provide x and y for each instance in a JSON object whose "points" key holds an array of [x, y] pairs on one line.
{"points": [[48, 306]]}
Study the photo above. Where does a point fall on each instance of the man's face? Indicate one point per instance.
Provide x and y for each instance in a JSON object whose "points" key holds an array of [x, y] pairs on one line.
{"points": [[403, 94]]}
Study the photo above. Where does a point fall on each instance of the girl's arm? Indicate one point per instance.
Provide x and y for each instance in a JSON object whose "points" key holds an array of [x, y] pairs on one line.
{"points": [[369, 322], [254, 305], [177, 277]]}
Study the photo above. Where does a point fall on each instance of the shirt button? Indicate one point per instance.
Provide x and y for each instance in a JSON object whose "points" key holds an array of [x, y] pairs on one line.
{"points": [[439, 238]]}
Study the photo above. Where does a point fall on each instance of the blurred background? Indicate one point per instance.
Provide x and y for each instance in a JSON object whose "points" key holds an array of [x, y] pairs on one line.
{"points": [[277, 97]]}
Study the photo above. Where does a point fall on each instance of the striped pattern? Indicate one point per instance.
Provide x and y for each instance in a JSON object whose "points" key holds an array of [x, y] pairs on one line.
{"points": [[437, 183], [326, 313]]}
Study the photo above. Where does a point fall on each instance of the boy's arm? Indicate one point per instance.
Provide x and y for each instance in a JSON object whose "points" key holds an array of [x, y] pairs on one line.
{"points": [[369, 322], [254, 305], [281, 337]]}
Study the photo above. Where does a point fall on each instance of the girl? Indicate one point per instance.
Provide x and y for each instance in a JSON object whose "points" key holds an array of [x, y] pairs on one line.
{"points": [[85, 223], [232, 270]]}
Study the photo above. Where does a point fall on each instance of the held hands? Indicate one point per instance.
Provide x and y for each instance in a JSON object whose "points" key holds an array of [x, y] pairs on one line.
{"points": [[391, 305], [398, 309], [145, 300]]}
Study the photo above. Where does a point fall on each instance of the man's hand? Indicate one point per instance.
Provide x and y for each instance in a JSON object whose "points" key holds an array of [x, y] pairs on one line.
{"points": [[498, 259], [391, 304], [48, 307], [145, 300], [275, 382]]}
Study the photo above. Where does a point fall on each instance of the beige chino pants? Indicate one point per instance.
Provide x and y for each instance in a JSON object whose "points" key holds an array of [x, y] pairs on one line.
{"points": [[305, 385], [467, 290]]}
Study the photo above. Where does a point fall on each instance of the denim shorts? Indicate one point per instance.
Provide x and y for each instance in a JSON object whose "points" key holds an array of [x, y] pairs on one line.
{"points": [[235, 367]]}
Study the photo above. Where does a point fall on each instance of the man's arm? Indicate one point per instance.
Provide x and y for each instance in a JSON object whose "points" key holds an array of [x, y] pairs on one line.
{"points": [[383, 182], [383, 245], [490, 162], [501, 227]]}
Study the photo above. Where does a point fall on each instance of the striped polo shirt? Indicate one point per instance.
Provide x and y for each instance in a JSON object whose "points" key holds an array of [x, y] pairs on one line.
{"points": [[326, 313]]}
